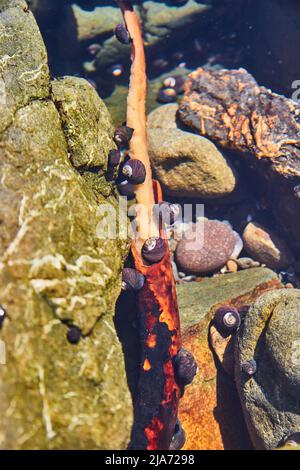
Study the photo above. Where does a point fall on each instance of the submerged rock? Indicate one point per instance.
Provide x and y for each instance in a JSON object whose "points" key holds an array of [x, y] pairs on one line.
{"points": [[270, 398], [229, 107], [55, 271], [205, 248], [266, 247], [185, 164], [210, 411]]}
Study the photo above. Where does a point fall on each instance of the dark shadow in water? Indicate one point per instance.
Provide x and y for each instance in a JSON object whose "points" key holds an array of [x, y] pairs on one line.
{"points": [[228, 412], [125, 320]]}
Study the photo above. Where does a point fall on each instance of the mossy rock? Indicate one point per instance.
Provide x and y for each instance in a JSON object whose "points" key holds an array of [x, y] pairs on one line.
{"points": [[55, 271]]}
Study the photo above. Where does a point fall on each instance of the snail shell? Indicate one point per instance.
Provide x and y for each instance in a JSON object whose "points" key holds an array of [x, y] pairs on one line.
{"points": [[114, 158], [74, 335], [176, 82], [153, 250], [249, 367], [132, 280], [116, 70], [185, 367], [178, 439], [2, 315], [293, 440], [122, 34], [123, 135], [169, 212], [134, 170], [126, 189], [167, 95], [227, 319]]}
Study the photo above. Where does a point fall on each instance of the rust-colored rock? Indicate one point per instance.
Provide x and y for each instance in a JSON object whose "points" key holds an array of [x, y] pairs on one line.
{"points": [[210, 410], [230, 108]]}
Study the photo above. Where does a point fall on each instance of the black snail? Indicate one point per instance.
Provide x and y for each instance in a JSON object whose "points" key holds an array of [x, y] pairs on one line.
{"points": [[132, 280], [134, 170], [74, 335], [123, 135], [122, 34], [168, 212], [153, 250], [292, 440], [185, 367], [176, 82], [249, 367], [227, 319], [178, 439], [167, 95], [114, 158], [126, 189]]}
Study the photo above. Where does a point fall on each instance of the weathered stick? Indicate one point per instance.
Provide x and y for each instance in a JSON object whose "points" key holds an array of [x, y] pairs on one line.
{"points": [[156, 404], [136, 119]]}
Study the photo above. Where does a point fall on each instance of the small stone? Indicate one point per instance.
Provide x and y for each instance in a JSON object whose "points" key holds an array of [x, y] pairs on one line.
{"points": [[246, 263], [266, 247], [232, 266], [208, 253]]}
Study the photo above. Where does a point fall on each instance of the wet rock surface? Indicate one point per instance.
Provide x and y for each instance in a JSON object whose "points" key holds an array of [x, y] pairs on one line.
{"points": [[210, 411], [205, 248], [230, 108], [55, 272], [186, 165], [266, 247], [270, 398]]}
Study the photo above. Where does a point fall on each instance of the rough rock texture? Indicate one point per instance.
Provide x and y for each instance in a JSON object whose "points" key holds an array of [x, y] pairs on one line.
{"points": [[230, 108], [209, 410], [86, 121], [185, 164], [266, 247], [270, 398], [205, 248], [54, 270]]}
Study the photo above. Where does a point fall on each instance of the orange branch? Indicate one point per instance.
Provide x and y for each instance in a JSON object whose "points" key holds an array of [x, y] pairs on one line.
{"points": [[136, 118]]}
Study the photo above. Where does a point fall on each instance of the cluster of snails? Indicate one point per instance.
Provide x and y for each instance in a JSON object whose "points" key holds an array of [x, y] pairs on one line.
{"points": [[131, 170], [227, 320], [171, 87]]}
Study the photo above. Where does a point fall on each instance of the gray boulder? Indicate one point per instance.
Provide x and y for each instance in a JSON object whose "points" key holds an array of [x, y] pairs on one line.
{"points": [[271, 397]]}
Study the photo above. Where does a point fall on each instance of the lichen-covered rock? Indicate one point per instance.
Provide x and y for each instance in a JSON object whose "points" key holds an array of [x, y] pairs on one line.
{"points": [[209, 411], [270, 398], [55, 271], [188, 165], [86, 121]]}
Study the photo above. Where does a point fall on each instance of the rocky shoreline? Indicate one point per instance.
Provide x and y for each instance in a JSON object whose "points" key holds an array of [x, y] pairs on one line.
{"points": [[216, 138]]}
